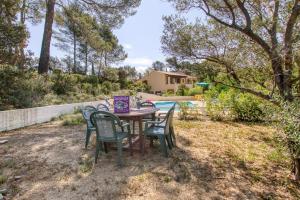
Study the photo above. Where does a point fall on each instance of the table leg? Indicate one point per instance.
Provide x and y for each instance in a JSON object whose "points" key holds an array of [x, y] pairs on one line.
{"points": [[151, 139], [142, 139]]}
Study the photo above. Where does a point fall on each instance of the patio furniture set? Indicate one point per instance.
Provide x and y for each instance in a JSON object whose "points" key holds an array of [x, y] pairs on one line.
{"points": [[111, 127]]}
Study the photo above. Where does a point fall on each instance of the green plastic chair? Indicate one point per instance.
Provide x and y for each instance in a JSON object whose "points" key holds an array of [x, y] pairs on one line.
{"points": [[106, 130], [86, 113], [162, 116], [161, 130], [147, 104]]}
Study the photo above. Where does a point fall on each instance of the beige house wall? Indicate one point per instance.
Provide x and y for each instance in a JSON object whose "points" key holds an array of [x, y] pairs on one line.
{"points": [[157, 81]]}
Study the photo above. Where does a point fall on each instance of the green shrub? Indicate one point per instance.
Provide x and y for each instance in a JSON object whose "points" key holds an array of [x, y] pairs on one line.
{"points": [[219, 103], [115, 86], [106, 87], [182, 90], [247, 107], [194, 91], [139, 87], [233, 104], [63, 83], [169, 93], [183, 111], [21, 89]]}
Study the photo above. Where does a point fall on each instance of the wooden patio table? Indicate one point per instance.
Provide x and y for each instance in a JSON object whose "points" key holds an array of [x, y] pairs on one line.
{"points": [[137, 115]]}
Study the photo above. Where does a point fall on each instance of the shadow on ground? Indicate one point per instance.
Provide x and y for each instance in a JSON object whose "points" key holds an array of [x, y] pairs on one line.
{"points": [[52, 164]]}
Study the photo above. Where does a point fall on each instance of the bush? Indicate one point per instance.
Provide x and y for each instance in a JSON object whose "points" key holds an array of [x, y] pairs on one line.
{"points": [[139, 87], [247, 107], [188, 113], [115, 86], [63, 83], [194, 91], [289, 123], [182, 90], [106, 87], [218, 103], [232, 104], [169, 93], [21, 89]]}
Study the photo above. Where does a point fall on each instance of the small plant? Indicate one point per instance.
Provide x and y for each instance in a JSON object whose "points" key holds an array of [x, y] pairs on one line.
{"points": [[182, 90], [289, 120], [72, 120], [183, 112], [86, 165], [2, 179], [196, 90]]}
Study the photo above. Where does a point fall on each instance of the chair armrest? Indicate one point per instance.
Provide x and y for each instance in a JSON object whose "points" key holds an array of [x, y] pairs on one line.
{"points": [[160, 114]]}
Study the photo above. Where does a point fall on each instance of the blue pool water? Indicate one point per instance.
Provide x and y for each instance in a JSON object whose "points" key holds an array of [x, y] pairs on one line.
{"points": [[166, 105]]}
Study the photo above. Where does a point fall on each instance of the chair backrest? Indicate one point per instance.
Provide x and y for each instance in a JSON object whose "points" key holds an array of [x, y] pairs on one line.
{"points": [[102, 106], [87, 111], [169, 119], [105, 123], [147, 104]]}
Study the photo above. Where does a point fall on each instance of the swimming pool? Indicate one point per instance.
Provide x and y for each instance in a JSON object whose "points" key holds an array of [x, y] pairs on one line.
{"points": [[166, 105]]}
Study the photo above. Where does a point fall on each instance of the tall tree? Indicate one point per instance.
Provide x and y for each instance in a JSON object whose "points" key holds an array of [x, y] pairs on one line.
{"points": [[269, 24], [47, 35], [31, 11], [12, 34], [107, 12], [158, 66], [261, 50]]}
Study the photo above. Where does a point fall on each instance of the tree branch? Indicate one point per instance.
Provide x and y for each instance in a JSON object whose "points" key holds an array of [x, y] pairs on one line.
{"points": [[241, 5], [288, 37]]}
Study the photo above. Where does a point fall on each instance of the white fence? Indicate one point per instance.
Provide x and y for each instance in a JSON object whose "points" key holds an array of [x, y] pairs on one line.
{"points": [[13, 119]]}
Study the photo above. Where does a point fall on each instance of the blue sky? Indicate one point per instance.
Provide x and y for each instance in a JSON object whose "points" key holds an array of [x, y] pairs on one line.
{"points": [[140, 34]]}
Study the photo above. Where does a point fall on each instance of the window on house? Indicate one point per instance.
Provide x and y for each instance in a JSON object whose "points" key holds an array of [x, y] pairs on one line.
{"points": [[172, 80], [167, 80]]}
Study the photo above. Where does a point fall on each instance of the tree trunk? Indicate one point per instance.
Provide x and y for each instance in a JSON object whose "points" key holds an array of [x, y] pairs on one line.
{"points": [[23, 44], [282, 80], [297, 169], [86, 58], [93, 68], [45, 50], [74, 52]]}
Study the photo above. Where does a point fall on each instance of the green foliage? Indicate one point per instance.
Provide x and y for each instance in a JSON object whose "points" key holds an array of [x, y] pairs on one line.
{"points": [[106, 87], [63, 83], [194, 91], [86, 165], [72, 120], [289, 123], [115, 86], [188, 113], [232, 104], [21, 89], [2, 179], [169, 93], [247, 107], [183, 110], [139, 87], [182, 90], [13, 34]]}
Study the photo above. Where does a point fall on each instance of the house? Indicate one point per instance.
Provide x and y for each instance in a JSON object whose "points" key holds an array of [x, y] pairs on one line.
{"points": [[161, 81]]}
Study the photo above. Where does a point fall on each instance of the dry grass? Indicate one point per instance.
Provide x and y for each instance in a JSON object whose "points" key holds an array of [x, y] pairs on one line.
{"points": [[213, 160]]}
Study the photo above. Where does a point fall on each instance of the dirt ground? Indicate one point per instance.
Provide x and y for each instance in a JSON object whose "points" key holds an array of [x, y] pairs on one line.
{"points": [[213, 160]]}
